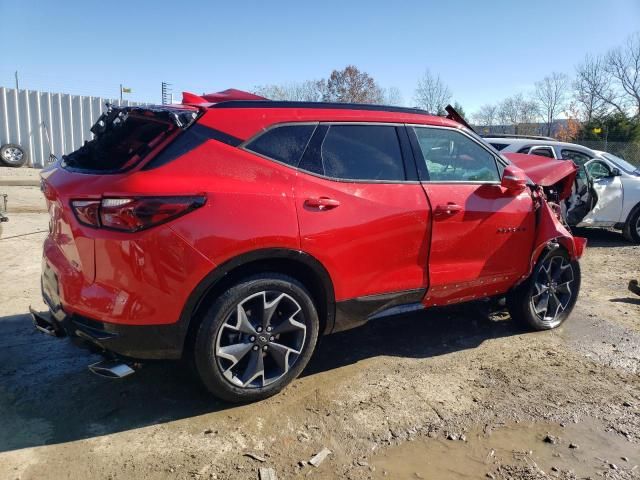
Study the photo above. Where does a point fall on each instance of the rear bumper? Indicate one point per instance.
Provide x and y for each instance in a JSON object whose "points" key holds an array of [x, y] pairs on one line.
{"points": [[129, 341], [143, 342]]}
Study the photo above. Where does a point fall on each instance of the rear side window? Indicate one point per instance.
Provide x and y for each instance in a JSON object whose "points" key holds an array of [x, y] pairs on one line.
{"points": [[362, 152], [285, 143], [578, 157], [451, 156], [542, 152], [524, 150]]}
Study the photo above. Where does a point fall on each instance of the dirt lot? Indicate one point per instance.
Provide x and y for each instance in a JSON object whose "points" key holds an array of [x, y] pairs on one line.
{"points": [[447, 394]]}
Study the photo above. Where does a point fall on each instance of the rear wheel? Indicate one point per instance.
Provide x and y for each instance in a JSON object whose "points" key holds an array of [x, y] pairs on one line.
{"points": [[631, 229], [256, 338], [546, 299]]}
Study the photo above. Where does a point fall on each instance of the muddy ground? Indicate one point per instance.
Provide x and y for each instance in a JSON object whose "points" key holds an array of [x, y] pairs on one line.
{"points": [[446, 394]]}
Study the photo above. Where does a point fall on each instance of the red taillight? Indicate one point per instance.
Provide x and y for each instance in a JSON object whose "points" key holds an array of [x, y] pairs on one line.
{"points": [[135, 213], [87, 211]]}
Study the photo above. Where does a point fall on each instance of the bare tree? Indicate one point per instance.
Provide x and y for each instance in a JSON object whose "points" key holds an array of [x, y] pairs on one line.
{"points": [[307, 91], [432, 94], [592, 88], [611, 82], [352, 86], [392, 96], [519, 112], [509, 110], [550, 95], [529, 113], [623, 64], [486, 116]]}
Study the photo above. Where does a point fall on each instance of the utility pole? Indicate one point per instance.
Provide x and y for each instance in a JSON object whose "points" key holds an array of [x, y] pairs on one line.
{"points": [[120, 94], [17, 83]]}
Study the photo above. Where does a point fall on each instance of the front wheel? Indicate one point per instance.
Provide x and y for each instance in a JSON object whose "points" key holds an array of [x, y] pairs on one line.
{"points": [[546, 299], [256, 338], [631, 229]]}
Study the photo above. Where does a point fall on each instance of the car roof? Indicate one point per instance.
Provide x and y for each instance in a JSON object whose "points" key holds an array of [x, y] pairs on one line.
{"points": [[521, 142], [243, 119]]}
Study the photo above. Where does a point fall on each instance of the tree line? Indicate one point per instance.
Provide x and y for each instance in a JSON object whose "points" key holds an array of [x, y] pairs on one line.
{"points": [[602, 95], [604, 90], [351, 85]]}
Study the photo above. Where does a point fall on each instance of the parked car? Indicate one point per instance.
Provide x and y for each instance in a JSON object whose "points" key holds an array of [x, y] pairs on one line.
{"points": [[237, 232], [609, 195]]}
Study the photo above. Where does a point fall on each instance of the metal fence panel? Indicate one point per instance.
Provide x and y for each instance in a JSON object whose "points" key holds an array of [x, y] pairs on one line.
{"points": [[630, 151], [29, 117]]}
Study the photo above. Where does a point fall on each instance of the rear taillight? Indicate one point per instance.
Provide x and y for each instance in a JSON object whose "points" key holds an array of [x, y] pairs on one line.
{"points": [[135, 213]]}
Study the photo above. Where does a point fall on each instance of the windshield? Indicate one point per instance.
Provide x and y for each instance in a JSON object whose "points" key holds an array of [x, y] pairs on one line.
{"points": [[622, 163]]}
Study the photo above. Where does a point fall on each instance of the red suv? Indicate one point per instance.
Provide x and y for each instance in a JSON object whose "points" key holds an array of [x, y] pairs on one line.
{"points": [[238, 231]]}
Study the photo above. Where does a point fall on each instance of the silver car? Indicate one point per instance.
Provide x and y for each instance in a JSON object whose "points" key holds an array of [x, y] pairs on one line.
{"points": [[608, 191]]}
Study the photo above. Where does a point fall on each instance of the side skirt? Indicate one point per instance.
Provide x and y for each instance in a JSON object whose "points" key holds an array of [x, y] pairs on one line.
{"points": [[358, 311]]}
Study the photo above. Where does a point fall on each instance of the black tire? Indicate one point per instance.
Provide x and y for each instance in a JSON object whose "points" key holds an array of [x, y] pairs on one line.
{"points": [[631, 230], [12, 155], [221, 332], [560, 280]]}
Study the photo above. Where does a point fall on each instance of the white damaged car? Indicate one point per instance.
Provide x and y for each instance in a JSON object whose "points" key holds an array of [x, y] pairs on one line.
{"points": [[607, 193]]}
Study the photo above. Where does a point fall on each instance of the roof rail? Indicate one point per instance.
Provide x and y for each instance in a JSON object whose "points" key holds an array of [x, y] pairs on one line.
{"points": [[508, 135], [321, 105]]}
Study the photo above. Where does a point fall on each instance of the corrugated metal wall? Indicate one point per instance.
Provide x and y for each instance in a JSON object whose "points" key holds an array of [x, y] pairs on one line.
{"points": [[26, 116]]}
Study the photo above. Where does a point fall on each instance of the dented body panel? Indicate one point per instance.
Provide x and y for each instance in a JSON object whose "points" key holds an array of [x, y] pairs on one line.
{"points": [[547, 172], [551, 231]]}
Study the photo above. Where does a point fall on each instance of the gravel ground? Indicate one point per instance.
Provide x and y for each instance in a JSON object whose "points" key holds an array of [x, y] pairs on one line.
{"points": [[367, 395]]}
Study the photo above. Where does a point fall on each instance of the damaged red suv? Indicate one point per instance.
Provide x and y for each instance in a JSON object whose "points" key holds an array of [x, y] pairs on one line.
{"points": [[236, 231]]}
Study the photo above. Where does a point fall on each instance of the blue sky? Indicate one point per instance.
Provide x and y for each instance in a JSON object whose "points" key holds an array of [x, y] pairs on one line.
{"points": [[484, 50]]}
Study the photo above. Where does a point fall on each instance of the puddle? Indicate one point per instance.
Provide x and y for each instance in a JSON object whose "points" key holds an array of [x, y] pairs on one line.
{"points": [[513, 444]]}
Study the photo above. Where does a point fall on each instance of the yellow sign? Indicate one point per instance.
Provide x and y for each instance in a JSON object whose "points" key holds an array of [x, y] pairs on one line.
{"points": [[126, 90], [597, 130]]}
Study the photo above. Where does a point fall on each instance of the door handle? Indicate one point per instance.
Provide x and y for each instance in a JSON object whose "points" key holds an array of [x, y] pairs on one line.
{"points": [[321, 203], [447, 209]]}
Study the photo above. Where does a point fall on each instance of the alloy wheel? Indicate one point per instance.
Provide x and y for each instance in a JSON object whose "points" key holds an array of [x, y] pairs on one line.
{"points": [[552, 290], [12, 155], [261, 340]]}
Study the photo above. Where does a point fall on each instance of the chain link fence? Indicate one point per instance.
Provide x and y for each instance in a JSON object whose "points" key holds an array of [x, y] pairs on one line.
{"points": [[630, 151]]}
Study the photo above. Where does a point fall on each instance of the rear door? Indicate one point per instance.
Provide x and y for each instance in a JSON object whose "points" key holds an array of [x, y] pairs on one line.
{"points": [[362, 211], [482, 235]]}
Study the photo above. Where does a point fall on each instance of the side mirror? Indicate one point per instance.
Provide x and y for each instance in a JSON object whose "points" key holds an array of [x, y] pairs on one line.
{"points": [[615, 172], [514, 178]]}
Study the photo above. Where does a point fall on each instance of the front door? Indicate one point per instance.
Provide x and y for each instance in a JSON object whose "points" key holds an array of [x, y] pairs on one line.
{"points": [[608, 187], [482, 235]]}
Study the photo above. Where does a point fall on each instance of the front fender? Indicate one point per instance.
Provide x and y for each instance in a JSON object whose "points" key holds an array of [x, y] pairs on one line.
{"points": [[551, 234]]}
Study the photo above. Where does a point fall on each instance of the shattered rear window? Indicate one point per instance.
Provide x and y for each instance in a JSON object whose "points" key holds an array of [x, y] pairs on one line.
{"points": [[123, 137]]}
